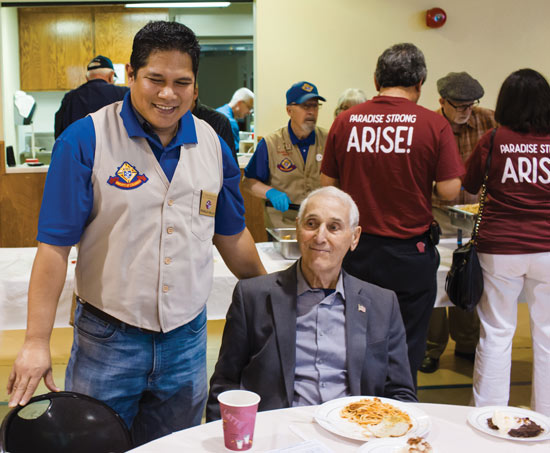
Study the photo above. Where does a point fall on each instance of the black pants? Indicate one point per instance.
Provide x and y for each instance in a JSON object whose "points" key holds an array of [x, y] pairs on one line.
{"points": [[408, 267]]}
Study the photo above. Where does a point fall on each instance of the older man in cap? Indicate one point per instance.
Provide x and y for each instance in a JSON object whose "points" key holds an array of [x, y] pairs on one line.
{"points": [[286, 164], [313, 333], [460, 94], [98, 91]]}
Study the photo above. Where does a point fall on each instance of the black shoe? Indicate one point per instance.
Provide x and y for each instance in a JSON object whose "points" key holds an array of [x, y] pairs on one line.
{"points": [[429, 365], [470, 356]]}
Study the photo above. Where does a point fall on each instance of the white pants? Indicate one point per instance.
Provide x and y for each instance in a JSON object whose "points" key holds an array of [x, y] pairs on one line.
{"points": [[504, 276]]}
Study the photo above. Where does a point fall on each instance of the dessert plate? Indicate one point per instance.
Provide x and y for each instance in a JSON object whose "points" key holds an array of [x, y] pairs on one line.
{"points": [[478, 419]]}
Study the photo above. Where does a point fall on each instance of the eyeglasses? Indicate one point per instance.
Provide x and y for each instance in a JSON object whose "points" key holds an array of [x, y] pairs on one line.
{"points": [[463, 107], [309, 106], [249, 107]]}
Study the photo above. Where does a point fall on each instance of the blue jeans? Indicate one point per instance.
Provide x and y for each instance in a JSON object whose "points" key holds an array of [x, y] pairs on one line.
{"points": [[155, 381]]}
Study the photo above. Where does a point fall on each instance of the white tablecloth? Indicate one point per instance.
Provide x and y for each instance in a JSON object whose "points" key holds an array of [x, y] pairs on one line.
{"points": [[16, 265], [15, 272], [225, 281], [450, 433]]}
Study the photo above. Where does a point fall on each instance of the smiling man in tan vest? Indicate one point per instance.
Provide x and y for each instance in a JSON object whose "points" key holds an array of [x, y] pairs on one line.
{"points": [[146, 189], [286, 165]]}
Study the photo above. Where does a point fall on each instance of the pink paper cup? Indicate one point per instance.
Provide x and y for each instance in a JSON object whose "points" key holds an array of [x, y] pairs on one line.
{"points": [[238, 410]]}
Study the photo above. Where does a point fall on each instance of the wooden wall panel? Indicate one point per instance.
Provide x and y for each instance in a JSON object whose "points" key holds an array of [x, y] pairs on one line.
{"points": [[56, 44], [20, 200], [254, 215], [115, 29], [37, 50], [75, 47]]}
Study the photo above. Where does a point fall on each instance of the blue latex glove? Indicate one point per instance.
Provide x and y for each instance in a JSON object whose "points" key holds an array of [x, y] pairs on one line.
{"points": [[279, 200]]}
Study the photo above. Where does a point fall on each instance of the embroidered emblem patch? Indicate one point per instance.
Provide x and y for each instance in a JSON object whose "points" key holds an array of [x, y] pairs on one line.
{"points": [[307, 87], [286, 165], [127, 177]]}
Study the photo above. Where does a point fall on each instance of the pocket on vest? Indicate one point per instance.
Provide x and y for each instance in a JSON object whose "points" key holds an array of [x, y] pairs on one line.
{"points": [[202, 226]]}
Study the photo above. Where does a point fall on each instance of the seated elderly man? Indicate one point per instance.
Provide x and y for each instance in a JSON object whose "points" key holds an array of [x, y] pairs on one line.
{"points": [[313, 333]]}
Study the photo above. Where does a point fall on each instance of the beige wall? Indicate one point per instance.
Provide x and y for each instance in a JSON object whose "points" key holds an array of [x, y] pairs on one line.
{"points": [[335, 44], [10, 72]]}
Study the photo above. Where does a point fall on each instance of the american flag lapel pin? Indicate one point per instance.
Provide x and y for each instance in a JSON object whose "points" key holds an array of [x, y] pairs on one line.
{"points": [[361, 308]]}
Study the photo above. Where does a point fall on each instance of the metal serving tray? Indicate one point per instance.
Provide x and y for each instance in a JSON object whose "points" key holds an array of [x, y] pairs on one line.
{"points": [[287, 247], [461, 219]]}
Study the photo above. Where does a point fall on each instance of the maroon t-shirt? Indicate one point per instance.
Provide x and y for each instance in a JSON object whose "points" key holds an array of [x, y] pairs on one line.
{"points": [[516, 218], [387, 152]]}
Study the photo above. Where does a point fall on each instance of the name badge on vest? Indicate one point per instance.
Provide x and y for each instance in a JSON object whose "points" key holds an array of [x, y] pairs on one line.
{"points": [[208, 203]]}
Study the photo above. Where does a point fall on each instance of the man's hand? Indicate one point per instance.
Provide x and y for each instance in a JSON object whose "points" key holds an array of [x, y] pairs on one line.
{"points": [[32, 364], [34, 360], [279, 200]]}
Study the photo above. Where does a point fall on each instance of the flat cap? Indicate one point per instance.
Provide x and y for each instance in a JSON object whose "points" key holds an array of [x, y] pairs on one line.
{"points": [[459, 86]]}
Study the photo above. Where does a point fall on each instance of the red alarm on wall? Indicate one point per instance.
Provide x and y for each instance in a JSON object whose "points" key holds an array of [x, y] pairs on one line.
{"points": [[435, 17]]}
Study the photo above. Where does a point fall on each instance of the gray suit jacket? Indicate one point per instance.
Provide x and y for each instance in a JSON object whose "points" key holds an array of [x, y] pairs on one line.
{"points": [[258, 351]]}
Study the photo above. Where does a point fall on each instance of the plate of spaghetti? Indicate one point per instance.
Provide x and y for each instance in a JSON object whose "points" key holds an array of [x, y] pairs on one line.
{"points": [[366, 417]]}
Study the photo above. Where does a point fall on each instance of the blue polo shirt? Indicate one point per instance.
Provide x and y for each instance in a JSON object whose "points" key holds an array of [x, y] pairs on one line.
{"points": [[258, 166], [68, 193], [227, 111]]}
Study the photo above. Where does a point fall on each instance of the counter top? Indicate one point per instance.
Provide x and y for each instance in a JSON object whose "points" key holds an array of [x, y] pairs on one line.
{"points": [[244, 158], [24, 168]]}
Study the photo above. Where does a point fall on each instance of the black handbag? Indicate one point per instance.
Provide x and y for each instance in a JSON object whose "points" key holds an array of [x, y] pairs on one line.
{"points": [[464, 282]]}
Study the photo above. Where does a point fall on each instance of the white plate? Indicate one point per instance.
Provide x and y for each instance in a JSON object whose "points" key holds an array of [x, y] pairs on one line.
{"points": [[328, 416], [478, 419], [383, 446]]}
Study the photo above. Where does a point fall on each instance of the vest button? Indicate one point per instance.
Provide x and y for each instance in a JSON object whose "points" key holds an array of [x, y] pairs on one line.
{"points": [[165, 288], [167, 260], [170, 230], [170, 202]]}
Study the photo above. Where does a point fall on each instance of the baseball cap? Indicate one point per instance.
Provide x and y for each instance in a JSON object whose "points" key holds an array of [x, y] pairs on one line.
{"points": [[100, 62], [460, 86], [300, 92]]}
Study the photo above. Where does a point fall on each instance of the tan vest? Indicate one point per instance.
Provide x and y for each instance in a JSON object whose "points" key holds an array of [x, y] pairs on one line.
{"points": [[146, 254], [288, 172]]}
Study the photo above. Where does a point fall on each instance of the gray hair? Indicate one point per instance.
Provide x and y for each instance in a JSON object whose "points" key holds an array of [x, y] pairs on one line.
{"points": [[401, 65], [331, 191], [350, 97], [99, 73], [242, 94]]}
